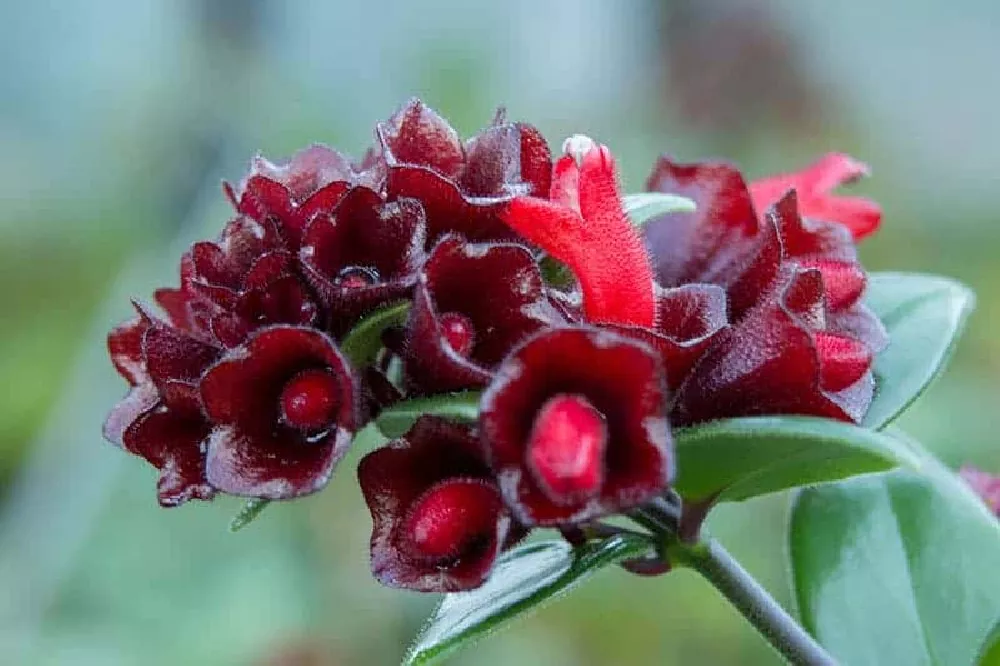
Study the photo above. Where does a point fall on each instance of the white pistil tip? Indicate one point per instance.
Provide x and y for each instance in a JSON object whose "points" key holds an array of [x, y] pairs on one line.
{"points": [[577, 146]]}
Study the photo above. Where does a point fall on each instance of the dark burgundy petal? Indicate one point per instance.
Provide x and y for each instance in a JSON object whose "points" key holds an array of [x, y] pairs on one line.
{"points": [[172, 354], [366, 254], [140, 399], [861, 323], [493, 163], [439, 521], [258, 446], [283, 301], [536, 160], [768, 363], [272, 465], [704, 246], [307, 171], [417, 135], [621, 379], [125, 347], [173, 443], [689, 319], [496, 289]]}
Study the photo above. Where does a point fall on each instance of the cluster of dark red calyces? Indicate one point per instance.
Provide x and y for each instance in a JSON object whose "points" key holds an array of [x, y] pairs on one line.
{"points": [[252, 385]]}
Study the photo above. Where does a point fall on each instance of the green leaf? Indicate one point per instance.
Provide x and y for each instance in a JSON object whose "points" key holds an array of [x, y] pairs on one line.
{"points": [[362, 343], [735, 459], [897, 568], [522, 580], [396, 420], [644, 206], [990, 654], [924, 315], [251, 509]]}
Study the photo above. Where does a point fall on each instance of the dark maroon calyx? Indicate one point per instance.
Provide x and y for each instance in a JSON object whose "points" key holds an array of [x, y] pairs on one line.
{"points": [[452, 519], [566, 448], [310, 400]]}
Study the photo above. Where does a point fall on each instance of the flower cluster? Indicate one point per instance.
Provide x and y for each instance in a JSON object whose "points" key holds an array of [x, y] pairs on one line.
{"points": [[750, 305]]}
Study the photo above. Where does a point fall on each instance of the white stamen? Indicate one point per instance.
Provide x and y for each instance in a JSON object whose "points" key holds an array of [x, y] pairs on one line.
{"points": [[577, 146]]}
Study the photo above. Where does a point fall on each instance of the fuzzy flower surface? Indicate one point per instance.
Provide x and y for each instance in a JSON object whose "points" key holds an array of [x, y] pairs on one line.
{"points": [[250, 381]]}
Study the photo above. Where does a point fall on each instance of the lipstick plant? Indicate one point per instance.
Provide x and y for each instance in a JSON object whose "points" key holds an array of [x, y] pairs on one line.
{"points": [[568, 377]]}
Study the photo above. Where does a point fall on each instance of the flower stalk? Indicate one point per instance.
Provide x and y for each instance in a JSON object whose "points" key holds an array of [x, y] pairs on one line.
{"points": [[781, 630]]}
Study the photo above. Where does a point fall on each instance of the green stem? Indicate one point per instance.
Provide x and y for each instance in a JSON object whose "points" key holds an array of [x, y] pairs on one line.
{"points": [[780, 629]]}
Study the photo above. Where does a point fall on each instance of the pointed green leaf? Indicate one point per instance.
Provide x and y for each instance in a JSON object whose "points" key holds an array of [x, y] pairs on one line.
{"points": [[924, 315], [735, 459], [396, 420], [897, 568], [522, 580], [249, 513], [644, 206], [990, 654], [362, 343]]}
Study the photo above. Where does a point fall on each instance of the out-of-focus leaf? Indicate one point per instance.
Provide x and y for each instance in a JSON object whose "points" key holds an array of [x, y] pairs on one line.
{"points": [[925, 315], [644, 206], [897, 568]]}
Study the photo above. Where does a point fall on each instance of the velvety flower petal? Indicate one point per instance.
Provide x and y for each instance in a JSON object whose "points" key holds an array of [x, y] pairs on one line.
{"points": [[285, 406], [574, 426], [472, 305], [814, 185], [706, 245], [173, 442], [585, 227], [367, 254], [171, 354], [770, 363], [439, 520], [689, 319], [125, 348], [417, 135]]}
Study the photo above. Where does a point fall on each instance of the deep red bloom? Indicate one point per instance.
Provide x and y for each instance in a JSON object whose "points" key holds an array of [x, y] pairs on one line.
{"points": [[585, 227], [462, 188], [986, 485], [160, 419], [291, 194], [439, 520], [474, 302], [574, 426], [367, 253], [284, 407], [814, 185]]}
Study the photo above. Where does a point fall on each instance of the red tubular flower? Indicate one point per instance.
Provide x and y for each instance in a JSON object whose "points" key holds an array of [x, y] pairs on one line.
{"points": [[462, 188], [585, 227], [160, 419], [473, 304], [575, 428], [365, 254], [814, 185], [986, 485], [284, 409], [439, 520]]}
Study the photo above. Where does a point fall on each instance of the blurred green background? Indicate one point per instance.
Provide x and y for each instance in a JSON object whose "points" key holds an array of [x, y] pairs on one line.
{"points": [[118, 121]]}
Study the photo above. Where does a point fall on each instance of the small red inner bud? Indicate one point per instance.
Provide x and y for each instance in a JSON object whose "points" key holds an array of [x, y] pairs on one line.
{"points": [[309, 400], [459, 332], [566, 448], [842, 360], [357, 277], [451, 518]]}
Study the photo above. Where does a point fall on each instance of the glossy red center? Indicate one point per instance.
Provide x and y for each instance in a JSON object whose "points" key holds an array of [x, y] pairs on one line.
{"points": [[458, 332], [357, 277], [452, 517], [309, 400], [566, 448]]}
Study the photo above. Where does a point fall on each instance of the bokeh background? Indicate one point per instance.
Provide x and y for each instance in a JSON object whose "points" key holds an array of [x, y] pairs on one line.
{"points": [[118, 120]]}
